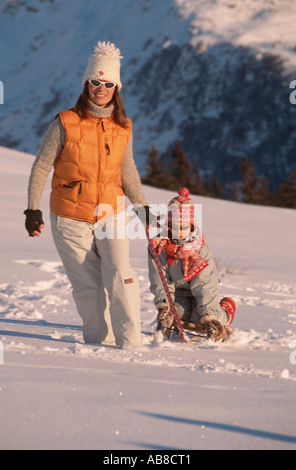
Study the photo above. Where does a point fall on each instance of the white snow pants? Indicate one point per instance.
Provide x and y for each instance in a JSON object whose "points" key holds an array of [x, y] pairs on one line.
{"points": [[95, 268]]}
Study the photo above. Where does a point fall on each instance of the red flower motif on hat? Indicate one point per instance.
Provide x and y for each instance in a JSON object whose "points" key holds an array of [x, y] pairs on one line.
{"points": [[101, 73]]}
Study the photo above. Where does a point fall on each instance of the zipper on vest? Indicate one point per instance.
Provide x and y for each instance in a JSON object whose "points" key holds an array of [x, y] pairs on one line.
{"points": [[106, 140]]}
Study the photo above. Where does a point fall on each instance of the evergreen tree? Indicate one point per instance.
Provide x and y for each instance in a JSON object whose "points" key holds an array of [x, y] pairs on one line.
{"points": [[155, 170], [233, 191], [180, 167], [197, 186], [216, 188], [286, 194], [254, 188]]}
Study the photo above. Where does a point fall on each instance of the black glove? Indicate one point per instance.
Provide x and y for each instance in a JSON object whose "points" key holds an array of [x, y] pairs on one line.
{"points": [[33, 220], [145, 215]]}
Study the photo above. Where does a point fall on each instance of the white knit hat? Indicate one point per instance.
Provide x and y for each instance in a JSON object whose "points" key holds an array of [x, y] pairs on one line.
{"points": [[104, 64]]}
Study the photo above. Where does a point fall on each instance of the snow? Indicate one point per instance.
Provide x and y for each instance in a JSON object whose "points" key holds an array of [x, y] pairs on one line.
{"points": [[58, 393], [264, 25]]}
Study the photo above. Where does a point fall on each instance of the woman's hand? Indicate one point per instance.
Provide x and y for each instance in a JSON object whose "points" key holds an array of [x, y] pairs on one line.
{"points": [[34, 222]]}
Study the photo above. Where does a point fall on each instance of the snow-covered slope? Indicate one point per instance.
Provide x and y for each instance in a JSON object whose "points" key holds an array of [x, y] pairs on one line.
{"points": [[213, 74], [264, 25], [58, 393]]}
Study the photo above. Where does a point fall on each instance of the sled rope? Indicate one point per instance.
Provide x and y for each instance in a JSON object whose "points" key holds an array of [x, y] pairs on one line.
{"points": [[166, 288]]}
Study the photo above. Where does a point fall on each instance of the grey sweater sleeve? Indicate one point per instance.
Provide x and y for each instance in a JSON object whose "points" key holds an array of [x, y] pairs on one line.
{"points": [[131, 181], [50, 149]]}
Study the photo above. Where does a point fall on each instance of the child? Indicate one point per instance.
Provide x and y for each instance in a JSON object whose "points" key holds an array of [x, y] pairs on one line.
{"points": [[190, 272]]}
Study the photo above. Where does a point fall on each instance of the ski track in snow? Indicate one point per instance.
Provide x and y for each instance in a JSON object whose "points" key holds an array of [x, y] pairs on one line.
{"points": [[26, 310]]}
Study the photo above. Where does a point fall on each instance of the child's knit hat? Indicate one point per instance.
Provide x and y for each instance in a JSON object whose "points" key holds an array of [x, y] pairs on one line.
{"points": [[181, 209], [104, 64]]}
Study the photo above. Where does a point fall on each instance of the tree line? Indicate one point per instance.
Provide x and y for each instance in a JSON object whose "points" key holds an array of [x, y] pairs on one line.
{"points": [[252, 188]]}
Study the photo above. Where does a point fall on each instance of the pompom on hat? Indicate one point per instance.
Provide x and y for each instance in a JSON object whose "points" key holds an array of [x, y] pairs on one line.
{"points": [[104, 64]]}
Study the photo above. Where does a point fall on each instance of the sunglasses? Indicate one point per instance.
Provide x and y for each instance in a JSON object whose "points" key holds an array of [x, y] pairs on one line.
{"points": [[97, 83]]}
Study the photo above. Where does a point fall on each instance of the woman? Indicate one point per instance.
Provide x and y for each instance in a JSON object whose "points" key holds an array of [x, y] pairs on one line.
{"points": [[190, 273], [90, 147]]}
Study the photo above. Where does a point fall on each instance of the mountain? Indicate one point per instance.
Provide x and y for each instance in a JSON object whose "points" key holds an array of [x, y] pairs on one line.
{"points": [[213, 75]]}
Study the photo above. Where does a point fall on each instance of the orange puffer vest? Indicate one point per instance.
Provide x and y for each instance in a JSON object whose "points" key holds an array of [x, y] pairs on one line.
{"points": [[86, 184]]}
